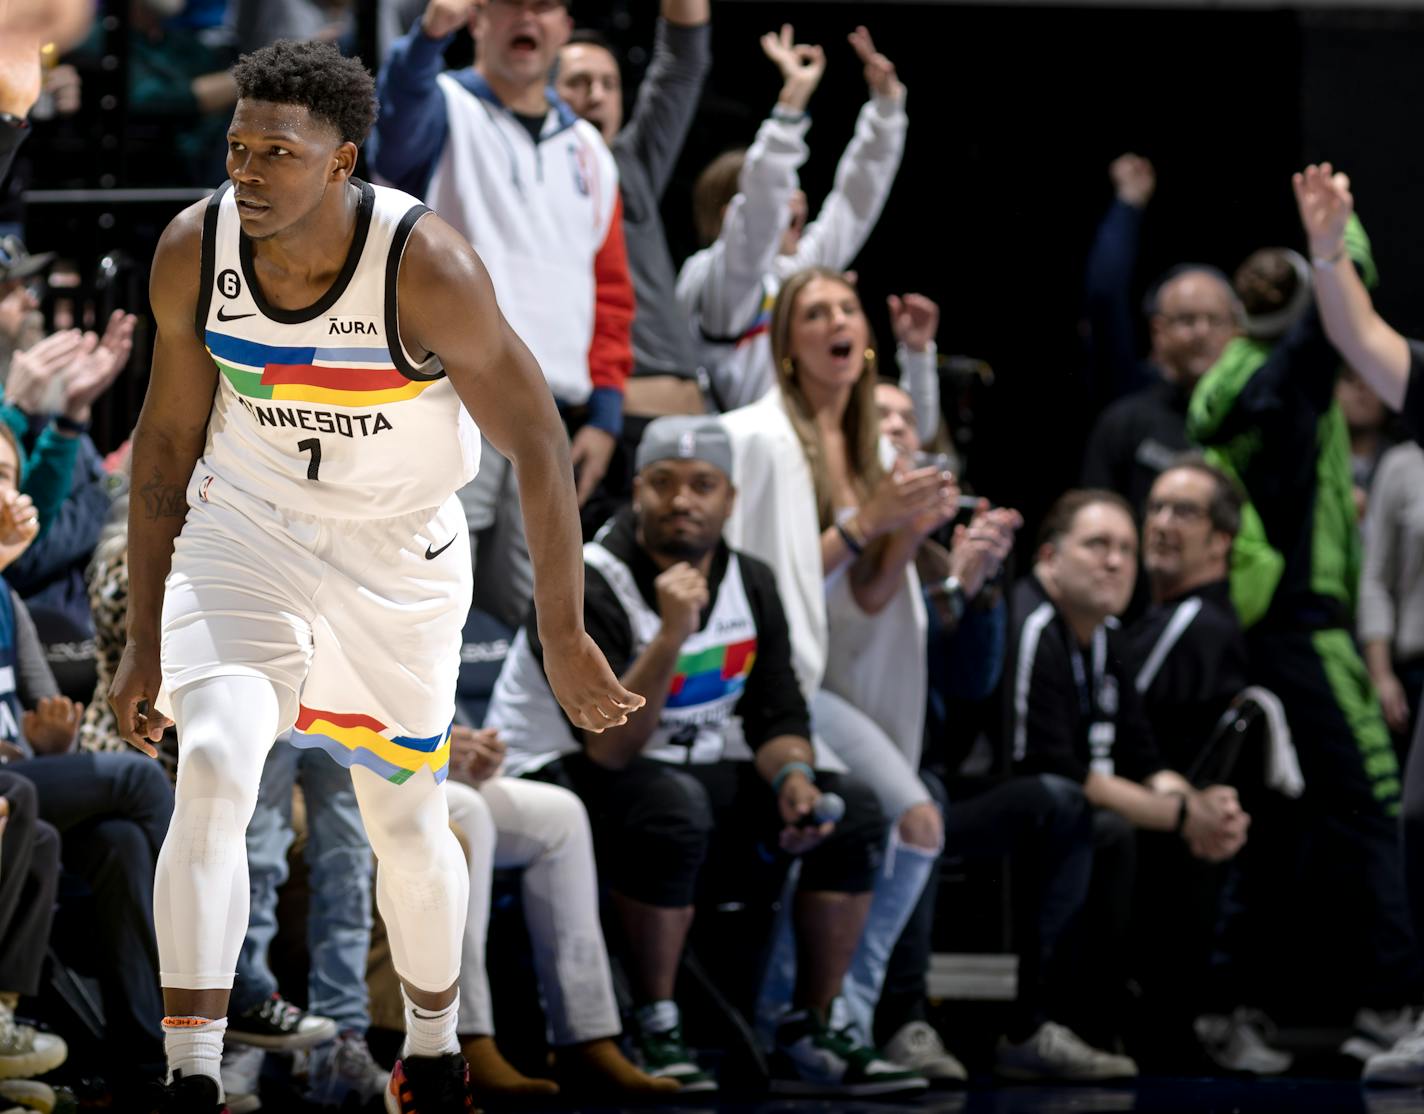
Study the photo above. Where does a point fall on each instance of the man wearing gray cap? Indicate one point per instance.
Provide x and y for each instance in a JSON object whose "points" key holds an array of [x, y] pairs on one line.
{"points": [[709, 791]]}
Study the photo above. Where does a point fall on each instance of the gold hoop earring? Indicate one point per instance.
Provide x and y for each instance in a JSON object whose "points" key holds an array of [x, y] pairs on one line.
{"points": [[870, 355]]}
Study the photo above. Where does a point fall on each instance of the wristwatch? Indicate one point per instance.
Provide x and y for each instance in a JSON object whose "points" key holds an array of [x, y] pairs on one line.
{"points": [[951, 592]]}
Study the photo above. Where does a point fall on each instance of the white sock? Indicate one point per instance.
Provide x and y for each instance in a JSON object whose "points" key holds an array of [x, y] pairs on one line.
{"points": [[658, 1017], [194, 1047], [430, 1032]]}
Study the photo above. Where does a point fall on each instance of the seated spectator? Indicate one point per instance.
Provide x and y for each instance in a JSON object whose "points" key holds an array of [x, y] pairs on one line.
{"points": [[1042, 821], [840, 523], [753, 219], [541, 830], [1391, 616], [1192, 313], [29, 879], [646, 148], [111, 811], [179, 90], [711, 787], [1073, 710], [1367, 420], [1188, 649], [50, 575], [1189, 659]]}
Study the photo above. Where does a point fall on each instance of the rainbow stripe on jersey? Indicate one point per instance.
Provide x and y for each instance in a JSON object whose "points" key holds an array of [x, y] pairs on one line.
{"points": [[711, 674], [354, 739], [331, 376]]}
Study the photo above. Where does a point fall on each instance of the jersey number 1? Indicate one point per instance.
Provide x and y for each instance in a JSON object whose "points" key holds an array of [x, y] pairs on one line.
{"points": [[312, 445]]}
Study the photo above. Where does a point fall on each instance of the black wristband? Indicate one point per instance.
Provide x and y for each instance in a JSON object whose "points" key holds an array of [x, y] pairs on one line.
{"points": [[68, 425], [1181, 814], [850, 543]]}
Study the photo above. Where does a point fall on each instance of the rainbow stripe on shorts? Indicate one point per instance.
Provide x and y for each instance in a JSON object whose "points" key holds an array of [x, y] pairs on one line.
{"points": [[354, 739]]}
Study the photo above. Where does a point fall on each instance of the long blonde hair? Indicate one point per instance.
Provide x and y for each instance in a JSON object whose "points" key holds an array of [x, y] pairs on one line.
{"points": [[861, 423]]}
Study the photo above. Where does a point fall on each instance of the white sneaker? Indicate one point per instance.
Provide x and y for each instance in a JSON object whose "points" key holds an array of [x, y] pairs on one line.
{"points": [[1378, 1031], [917, 1046], [25, 1051], [1056, 1052], [344, 1067], [240, 1072], [1240, 1043], [32, 1095], [1401, 1064], [812, 1059]]}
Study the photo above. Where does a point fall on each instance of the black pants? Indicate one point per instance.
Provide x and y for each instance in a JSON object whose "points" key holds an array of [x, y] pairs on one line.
{"points": [[112, 813], [1363, 950], [667, 835], [29, 879]]}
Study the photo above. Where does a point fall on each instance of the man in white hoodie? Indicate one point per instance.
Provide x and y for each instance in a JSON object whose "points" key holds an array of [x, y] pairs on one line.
{"points": [[535, 189]]}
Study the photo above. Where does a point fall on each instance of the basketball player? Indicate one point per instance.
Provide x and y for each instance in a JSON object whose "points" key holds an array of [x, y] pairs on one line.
{"points": [[298, 560]]}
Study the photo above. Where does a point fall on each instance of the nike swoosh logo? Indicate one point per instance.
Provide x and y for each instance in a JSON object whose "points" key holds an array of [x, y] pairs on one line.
{"points": [[233, 316], [430, 554]]}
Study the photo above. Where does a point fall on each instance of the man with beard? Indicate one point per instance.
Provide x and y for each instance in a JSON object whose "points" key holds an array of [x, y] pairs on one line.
{"points": [[713, 790]]}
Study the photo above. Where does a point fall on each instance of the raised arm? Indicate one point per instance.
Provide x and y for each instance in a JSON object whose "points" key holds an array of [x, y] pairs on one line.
{"points": [[720, 288], [864, 175], [1112, 264], [167, 442], [1357, 331], [914, 319], [410, 128], [447, 306], [669, 92]]}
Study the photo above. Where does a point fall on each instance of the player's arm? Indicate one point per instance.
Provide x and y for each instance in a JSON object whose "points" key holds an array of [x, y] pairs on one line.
{"points": [[448, 307], [167, 442]]}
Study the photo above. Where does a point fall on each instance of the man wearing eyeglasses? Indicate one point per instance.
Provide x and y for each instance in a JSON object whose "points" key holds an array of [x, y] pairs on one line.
{"points": [[1191, 313]]}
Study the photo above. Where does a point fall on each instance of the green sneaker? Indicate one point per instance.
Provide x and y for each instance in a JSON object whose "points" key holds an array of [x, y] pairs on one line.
{"points": [[658, 1048], [811, 1058]]}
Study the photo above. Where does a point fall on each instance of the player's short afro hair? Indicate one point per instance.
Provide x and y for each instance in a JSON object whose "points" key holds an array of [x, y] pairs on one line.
{"points": [[333, 89]]}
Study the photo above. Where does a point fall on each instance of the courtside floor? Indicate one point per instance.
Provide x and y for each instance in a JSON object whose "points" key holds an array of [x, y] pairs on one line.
{"points": [[1149, 1096]]}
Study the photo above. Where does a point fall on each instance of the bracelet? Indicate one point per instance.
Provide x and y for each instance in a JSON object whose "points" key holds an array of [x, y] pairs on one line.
{"points": [[19, 123], [1328, 261], [792, 768], [787, 115], [854, 546]]}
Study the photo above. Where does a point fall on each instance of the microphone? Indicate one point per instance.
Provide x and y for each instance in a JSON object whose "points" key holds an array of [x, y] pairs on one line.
{"points": [[829, 810]]}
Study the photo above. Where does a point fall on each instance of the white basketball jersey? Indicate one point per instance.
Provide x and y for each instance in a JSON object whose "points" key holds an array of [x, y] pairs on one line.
{"points": [[321, 410]]}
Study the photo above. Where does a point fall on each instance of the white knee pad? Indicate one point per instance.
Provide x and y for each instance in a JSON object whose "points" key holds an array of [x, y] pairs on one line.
{"points": [[202, 868], [422, 881], [200, 898]]}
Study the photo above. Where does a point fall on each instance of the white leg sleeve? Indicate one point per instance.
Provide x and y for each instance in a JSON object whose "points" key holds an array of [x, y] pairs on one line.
{"points": [[422, 882], [545, 830], [470, 813], [226, 726]]}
